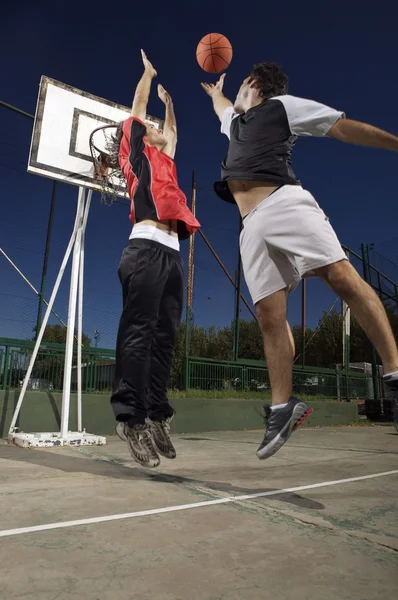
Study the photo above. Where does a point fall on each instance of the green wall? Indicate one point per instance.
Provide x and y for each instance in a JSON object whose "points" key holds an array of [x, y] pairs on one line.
{"points": [[41, 411]]}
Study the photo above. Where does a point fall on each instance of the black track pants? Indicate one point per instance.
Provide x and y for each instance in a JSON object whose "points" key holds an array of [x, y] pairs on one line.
{"points": [[151, 275]]}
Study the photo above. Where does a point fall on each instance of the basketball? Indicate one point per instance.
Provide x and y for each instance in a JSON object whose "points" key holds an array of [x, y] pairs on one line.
{"points": [[214, 53]]}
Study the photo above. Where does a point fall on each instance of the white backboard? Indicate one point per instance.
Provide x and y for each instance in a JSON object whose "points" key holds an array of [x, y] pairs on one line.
{"points": [[65, 118]]}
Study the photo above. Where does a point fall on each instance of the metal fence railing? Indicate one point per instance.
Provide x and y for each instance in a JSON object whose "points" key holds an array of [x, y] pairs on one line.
{"points": [[48, 370], [243, 376], [250, 376]]}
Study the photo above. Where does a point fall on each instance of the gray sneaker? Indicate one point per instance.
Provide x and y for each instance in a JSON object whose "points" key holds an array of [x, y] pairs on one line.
{"points": [[160, 431], [280, 425], [140, 443]]}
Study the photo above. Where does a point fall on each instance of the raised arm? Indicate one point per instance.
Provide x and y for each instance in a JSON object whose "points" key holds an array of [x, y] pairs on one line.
{"points": [[354, 132], [170, 123], [143, 89], [220, 102]]}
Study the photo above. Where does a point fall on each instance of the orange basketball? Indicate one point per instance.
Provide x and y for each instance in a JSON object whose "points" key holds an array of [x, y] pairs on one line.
{"points": [[214, 53]]}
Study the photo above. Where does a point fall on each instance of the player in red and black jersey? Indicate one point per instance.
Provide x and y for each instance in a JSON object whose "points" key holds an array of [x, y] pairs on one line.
{"points": [[151, 275]]}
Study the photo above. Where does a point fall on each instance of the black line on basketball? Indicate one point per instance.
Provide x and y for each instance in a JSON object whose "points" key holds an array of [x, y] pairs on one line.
{"points": [[210, 43], [222, 48], [222, 58], [214, 64], [211, 50], [218, 39], [206, 59], [201, 52]]}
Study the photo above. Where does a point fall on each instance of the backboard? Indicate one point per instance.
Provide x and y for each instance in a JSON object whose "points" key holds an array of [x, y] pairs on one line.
{"points": [[65, 118]]}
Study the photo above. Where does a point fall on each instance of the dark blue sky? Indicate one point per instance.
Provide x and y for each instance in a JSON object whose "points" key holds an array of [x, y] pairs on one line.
{"points": [[341, 54]]}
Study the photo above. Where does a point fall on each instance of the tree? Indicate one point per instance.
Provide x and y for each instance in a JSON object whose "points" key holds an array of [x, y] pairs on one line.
{"points": [[56, 334], [250, 340], [324, 349]]}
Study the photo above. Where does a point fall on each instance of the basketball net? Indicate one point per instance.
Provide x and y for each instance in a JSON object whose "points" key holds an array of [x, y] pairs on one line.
{"points": [[104, 148]]}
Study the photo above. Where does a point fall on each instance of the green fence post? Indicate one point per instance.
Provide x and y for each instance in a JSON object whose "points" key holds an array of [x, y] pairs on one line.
{"points": [[90, 375], [375, 371], [347, 387], [187, 374], [245, 379], [6, 367], [94, 375], [86, 375]]}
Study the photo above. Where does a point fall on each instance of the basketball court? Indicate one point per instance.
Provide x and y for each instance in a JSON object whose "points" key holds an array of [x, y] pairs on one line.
{"points": [[318, 520], [80, 520]]}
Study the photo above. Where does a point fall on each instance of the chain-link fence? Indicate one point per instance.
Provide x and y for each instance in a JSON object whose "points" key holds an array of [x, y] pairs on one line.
{"points": [[383, 257], [219, 325]]}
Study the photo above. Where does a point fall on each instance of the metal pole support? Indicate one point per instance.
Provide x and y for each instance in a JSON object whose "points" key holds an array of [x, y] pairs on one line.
{"points": [[375, 370]]}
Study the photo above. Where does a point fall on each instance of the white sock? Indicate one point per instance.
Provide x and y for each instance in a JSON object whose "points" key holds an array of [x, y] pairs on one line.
{"points": [[276, 406], [394, 375]]}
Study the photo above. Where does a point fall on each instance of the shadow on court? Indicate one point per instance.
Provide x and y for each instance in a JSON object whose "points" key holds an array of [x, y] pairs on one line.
{"points": [[113, 469]]}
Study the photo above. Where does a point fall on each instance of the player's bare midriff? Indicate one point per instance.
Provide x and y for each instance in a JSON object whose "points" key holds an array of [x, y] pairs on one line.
{"points": [[248, 193], [169, 227]]}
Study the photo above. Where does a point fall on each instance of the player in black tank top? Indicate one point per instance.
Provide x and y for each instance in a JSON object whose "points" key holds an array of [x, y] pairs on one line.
{"points": [[262, 125]]}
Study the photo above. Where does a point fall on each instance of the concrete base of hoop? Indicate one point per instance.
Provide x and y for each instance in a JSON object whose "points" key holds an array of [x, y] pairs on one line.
{"points": [[47, 440]]}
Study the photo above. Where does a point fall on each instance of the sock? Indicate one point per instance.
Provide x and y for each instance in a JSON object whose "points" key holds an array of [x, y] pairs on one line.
{"points": [[394, 375], [276, 406]]}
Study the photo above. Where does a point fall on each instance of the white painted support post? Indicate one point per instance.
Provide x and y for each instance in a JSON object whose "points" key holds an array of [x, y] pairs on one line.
{"points": [[71, 318], [80, 315], [44, 324]]}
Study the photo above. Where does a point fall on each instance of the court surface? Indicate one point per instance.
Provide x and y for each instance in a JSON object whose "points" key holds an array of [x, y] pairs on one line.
{"points": [[230, 531]]}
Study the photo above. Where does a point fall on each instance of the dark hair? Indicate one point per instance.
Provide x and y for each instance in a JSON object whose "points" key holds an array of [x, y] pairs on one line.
{"points": [[271, 80]]}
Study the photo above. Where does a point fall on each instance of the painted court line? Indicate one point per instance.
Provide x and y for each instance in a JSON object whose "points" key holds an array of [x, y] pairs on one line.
{"points": [[168, 509]]}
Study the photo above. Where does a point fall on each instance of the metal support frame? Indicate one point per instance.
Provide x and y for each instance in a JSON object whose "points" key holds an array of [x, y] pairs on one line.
{"points": [[190, 280], [367, 277], [238, 289], [76, 244], [346, 341]]}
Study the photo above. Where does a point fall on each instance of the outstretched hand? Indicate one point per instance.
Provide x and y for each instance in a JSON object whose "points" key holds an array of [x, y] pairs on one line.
{"points": [[214, 88], [163, 95], [148, 65]]}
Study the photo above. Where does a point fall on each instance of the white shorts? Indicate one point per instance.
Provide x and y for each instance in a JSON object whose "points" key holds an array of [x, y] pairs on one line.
{"points": [[285, 238]]}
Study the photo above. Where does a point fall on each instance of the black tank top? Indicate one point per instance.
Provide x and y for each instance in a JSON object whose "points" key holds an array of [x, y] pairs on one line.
{"points": [[261, 140], [260, 148]]}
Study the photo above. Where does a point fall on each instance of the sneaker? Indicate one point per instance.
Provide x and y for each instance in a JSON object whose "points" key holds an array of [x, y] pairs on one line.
{"points": [[140, 443], [391, 381], [280, 424], [160, 431]]}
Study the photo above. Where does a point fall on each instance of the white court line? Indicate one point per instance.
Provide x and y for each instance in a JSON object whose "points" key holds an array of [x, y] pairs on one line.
{"points": [[168, 509]]}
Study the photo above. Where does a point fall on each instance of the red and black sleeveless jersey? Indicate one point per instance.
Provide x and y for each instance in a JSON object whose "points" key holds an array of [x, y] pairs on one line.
{"points": [[152, 184]]}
